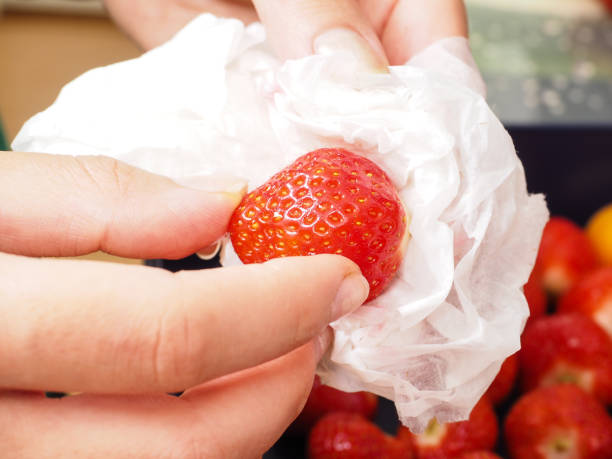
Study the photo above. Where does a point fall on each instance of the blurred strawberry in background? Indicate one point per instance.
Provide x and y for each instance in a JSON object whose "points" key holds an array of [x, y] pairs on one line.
{"points": [[440, 441], [324, 399], [535, 296], [591, 296], [502, 385], [567, 348], [565, 255], [558, 422], [351, 436]]}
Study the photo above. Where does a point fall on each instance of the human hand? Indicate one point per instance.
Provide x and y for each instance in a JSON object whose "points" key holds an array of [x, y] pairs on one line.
{"points": [[242, 341], [387, 31]]}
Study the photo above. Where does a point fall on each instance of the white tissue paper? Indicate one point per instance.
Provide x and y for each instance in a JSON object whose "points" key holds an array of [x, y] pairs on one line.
{"points": [[214, 100]]}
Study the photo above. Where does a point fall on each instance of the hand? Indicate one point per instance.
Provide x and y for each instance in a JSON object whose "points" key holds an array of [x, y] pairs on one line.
{"points": [[242, 342], [387, 31]]}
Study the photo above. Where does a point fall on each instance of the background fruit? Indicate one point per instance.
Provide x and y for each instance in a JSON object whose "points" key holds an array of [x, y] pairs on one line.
{"points": [[480, 455], [599, 231], [351, 436], [327, 201], [441, 441], [535, 296], [324, 399], [558, 422], [567, 348], [565, 255], [503, 383], [592, 296]]}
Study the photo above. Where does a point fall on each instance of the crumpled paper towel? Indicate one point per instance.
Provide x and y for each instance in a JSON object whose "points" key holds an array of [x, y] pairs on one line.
{"points": [[214, 100]]}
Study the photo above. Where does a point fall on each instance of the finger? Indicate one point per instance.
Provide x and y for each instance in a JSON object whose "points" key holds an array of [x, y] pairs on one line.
{"points": [[238, 417], [409, 26], [320, 26], [66, 206], [153, 22], [82, 326]]}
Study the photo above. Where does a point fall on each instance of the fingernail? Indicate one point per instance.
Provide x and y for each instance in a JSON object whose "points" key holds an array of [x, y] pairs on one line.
{"points": [[233, 188], [208, 253], [322, 343], [352, 293], [348, 41]]}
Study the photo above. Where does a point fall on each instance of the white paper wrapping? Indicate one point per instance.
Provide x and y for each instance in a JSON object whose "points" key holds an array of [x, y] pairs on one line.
{"points": [[214, 100]]}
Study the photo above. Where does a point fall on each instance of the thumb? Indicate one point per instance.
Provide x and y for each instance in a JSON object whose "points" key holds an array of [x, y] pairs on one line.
{"points": [[299, 28], [67, 206]]}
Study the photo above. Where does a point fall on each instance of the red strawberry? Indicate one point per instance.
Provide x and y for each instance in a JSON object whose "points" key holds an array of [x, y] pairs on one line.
{"points": [[324, 399], [327, 201], [558, 422], [535, 296], [567, 348], [592, 295], [565, 255], [479, 455], [504, 381], [441, 441], [351, 436]]}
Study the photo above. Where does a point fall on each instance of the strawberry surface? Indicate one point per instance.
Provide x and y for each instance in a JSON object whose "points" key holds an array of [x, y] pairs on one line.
{"points": [[567, 348], [324, 399], [503, 383], [558, 422], [442, 441], [565, 255], [479, 455], [592, 296], [535, 296], [351, 436], [328, 201]]}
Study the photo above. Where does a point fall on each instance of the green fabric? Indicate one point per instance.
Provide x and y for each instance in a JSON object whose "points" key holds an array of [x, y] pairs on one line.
{"points": [[3, 143]]}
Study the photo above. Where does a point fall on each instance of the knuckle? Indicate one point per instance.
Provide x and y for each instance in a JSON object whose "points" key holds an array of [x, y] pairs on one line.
{"points": [[176, 348], [108, 175]]}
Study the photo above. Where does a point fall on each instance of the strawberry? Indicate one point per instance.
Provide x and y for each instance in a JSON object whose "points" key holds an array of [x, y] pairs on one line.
{"points": [[558, 422], [441, 441], [503, 383], [535, 296], [328, 201], [567, 348], [324, 399], [479, 455], [565, 255], [351, 436], [599, 231], [592, 296]]}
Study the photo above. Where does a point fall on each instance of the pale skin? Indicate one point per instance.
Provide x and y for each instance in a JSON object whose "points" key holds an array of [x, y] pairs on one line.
{"points": [[242, 342]]}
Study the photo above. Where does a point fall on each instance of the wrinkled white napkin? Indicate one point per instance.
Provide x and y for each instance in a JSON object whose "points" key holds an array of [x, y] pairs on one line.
{"points": [[214, 100]]}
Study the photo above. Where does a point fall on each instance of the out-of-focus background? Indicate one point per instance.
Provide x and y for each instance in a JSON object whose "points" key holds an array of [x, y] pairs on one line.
{"points": [[547, 64]]}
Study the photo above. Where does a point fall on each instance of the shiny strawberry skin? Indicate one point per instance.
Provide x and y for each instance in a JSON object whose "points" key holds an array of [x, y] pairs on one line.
{"points": [[442, 441], [503, 383], [324, 399], [351, 436], [592, 296], [328, 201], [565, 255], [567, 348], [560, 422]]}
